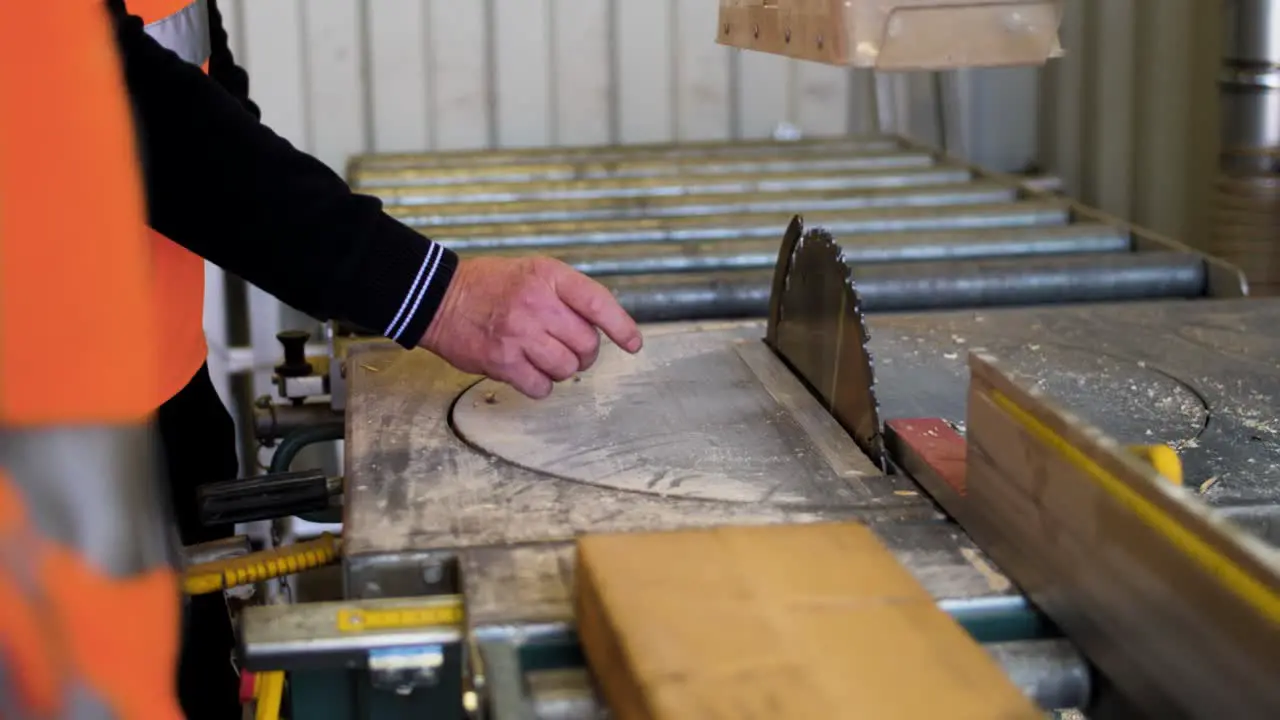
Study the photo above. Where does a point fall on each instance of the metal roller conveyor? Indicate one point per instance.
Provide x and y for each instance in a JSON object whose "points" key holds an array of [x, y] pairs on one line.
{"points": [[685, 231], [928, 285], [624, 154], [708, 204], [748, 225], [760, 254], [1049, 671], [755, 181], [783, 161]]}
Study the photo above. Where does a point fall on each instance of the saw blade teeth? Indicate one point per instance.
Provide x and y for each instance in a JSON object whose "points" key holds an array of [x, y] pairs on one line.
{"points": [[827, 245]]}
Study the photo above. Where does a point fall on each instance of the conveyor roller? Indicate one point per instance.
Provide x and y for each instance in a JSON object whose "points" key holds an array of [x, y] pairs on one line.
{"points": [[927, 286], [690, 231], [760, 254]]}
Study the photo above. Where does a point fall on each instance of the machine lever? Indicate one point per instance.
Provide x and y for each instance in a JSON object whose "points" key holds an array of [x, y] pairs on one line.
{"points": [[266, 497]]}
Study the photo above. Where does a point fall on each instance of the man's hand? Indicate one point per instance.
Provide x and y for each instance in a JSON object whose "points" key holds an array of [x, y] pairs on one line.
{"points": [[528, 322]]}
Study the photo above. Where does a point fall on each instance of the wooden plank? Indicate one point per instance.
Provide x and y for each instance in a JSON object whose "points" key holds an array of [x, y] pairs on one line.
{"points": [[926, 35], [335, 83], [1180, 610], [703, 105], [764, 94], [398, 64], [522, 72], [582, 72], [725, 623], [646, 42], [458, 76]]}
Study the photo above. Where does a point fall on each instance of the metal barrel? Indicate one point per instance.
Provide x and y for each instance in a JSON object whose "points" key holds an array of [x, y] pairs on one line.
{"points": [[747, 225], [601, 260], [675, 185], [923, 286], [639, 168], [802, 201], [621, 153], [1249, 85], [1245, 224]]}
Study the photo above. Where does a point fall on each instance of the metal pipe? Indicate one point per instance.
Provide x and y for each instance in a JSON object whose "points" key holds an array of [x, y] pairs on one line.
{"points": [[927, 286], [674, 186], [272, 420], [624, 153], [1000, 282], [644, 167], [807, 201], [1051, 672], [1247, 207], [1249, 86], [741, 226], [294, 442], [758, 254]]}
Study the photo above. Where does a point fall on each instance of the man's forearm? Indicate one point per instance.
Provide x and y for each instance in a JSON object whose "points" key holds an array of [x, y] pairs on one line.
{"points": [[229, 189]]}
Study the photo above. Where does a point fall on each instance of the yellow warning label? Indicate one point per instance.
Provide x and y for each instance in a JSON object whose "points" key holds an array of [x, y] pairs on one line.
{"points": [[356, 620]]}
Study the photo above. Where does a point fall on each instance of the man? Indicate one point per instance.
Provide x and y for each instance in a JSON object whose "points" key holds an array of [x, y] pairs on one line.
{"points": [[222, 186], [89, 601]]}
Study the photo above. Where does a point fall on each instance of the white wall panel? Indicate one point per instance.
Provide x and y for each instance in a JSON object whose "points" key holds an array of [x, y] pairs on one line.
{"points": [[398, 75], [582, 67], [461, 113], [522, 72], [334, 62], [645, 40], [763, 96], [703, 102]]}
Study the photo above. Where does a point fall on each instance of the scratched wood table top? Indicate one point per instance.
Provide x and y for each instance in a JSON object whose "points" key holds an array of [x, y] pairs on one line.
{"points": [[701, 429]]}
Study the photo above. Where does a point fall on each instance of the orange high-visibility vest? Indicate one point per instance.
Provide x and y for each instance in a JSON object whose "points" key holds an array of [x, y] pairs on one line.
{"points": [[182, 26], [87, 626]]}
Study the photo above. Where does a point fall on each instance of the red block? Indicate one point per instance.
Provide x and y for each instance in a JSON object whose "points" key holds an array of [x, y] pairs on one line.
{"points": [[936, 444]]}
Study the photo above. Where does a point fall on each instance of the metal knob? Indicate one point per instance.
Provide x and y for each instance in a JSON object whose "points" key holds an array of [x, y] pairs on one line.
{"points": [[295, 363]]}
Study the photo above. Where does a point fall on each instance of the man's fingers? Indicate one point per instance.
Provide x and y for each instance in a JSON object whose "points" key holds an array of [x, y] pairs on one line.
{"points": [[597, 306], [577, 334], [550, 357], [529, 381]]}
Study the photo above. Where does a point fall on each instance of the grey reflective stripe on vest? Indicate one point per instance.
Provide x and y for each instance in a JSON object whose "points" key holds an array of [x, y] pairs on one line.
{"points": [[185, 32]]}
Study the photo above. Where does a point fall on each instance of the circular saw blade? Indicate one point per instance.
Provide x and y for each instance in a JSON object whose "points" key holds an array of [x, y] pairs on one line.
{"points": [[819, 328]]}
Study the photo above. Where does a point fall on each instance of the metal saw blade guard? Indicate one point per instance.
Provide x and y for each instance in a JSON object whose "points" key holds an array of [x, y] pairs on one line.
{"points": [[816, 325]]}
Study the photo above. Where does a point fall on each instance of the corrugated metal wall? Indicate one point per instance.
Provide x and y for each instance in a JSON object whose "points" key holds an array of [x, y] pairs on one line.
{"points": [[1127, 119]]}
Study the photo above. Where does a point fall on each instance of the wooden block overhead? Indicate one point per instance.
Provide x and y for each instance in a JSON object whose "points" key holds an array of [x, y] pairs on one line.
{"points": [[897, 34], [784, 622]]}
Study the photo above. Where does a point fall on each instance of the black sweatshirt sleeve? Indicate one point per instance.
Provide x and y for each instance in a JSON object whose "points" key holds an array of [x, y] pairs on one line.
{"points": [[227, 188], [222, 64]]}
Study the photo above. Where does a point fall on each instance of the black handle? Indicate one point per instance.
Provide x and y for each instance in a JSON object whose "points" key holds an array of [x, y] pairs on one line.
{"points": [[295, 363], [264, 497]]}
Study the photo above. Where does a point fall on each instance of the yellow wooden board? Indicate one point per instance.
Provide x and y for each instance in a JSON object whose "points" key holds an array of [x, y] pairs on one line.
{"points": [[784, 622]]}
